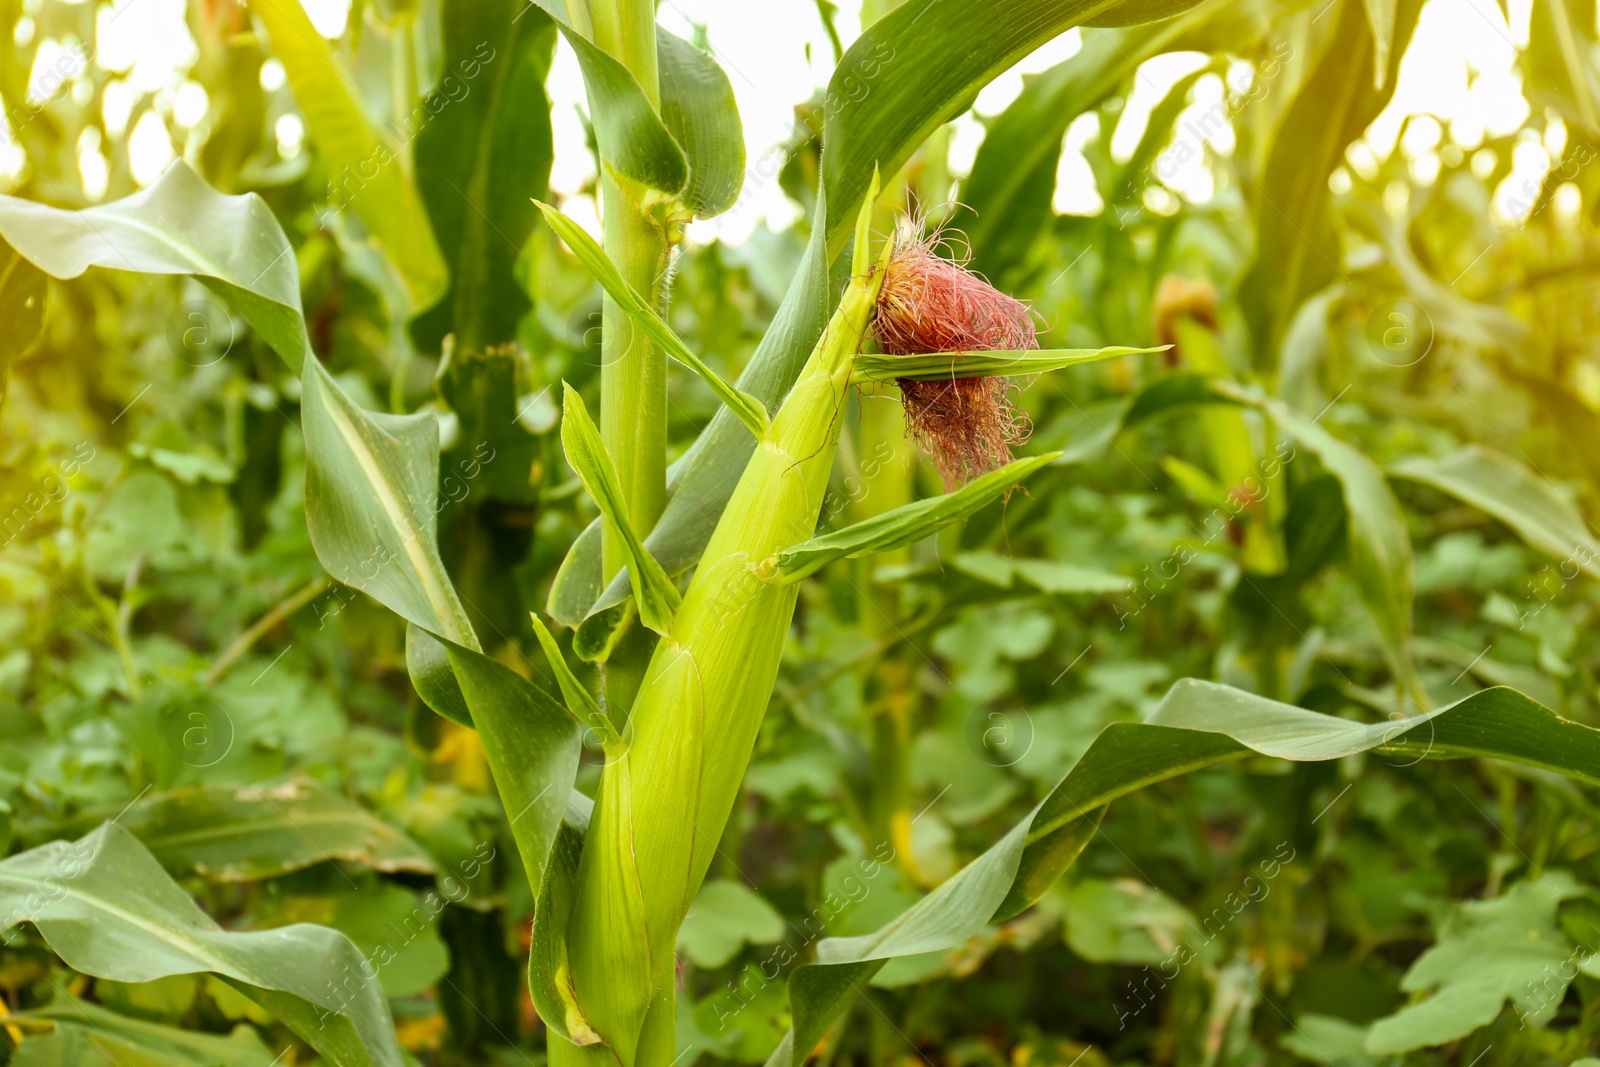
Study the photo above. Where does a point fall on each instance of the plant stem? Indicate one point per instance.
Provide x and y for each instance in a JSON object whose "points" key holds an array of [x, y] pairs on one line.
{"points": [[263, 626], [633, 373]]}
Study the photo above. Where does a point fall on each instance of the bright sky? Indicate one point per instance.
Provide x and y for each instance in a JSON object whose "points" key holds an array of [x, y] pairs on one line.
{"points": [[776, 53]]}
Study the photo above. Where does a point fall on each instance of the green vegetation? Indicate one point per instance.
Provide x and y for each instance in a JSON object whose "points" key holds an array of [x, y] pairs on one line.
{"points": [[828, 656]]}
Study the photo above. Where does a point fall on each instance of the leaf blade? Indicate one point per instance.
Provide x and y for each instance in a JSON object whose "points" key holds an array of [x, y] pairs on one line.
{"points": [[949, 366], [657, 597], [745, 407]]}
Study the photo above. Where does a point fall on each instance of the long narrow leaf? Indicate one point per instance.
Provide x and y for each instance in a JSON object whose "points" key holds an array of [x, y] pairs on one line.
{"points": [[633, 140], [1381, 557], [657, 597], [367, 476], [746, 407], [1498, 485], [478, 160], [698, 108], [905, 525], [944, 366], [179, 225], [366, 171], [243, 834], [582, 706]]}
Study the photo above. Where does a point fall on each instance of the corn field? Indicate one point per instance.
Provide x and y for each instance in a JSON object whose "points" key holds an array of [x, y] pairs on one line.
{"points": [[965, 533]]}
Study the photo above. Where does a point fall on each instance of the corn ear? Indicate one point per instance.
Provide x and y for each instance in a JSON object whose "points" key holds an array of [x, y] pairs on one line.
{"points": [[653, 591], [663, 802]]}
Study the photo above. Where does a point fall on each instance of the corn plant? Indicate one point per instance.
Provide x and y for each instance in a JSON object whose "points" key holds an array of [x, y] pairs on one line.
{"points": [[683, 592]]}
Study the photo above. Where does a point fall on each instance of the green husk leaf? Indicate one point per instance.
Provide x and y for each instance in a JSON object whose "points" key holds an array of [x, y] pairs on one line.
{"points": [[656, 595], [945, 366], [904, 525], [749, 410], [582, 706]]}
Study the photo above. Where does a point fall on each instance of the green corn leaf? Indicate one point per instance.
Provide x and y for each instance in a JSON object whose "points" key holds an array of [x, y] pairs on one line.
{"points": [[432, 676], [366, 172], [948, 366], [1198, 724], [699, 109], [633, 140], [114, 913], [88, 1035], [583, 707], [905, 525], [532, 746], [1171, 393], [249, 833], [1006, 198], [693, 148], [1557, 67], [1133, 12], [906, 75], [1046, 575], [748, 409], [549, 974], [586, 452], [1498, 485], [1297, 251], [179, 225], [1380, 23], [482, 154], [368, 476]]}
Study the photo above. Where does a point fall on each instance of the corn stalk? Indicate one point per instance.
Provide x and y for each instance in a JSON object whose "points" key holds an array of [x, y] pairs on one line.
{"points": [[666, 794]]}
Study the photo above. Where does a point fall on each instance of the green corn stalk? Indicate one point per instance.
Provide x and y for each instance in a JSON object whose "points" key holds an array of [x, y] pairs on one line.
{"points": [[667, 790], [633, 369]]}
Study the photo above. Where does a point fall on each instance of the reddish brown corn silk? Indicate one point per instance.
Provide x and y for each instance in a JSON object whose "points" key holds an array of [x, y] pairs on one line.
{"points": [[931, 303]]}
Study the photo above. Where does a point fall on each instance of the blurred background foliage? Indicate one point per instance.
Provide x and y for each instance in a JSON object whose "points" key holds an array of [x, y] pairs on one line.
{"points": [[1419, 289]]}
